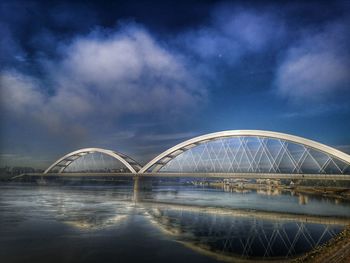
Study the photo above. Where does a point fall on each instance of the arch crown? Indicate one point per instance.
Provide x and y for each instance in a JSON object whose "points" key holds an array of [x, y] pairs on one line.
{"points": [[65, 161]]}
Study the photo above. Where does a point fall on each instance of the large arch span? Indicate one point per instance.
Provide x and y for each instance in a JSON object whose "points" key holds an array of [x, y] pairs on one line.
{"points": [[64, 162], [324, 158]]}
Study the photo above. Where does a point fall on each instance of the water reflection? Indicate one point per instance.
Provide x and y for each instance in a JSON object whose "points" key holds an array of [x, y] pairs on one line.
{"points": [[91, 211], [95, 224], [245, 236], [232, 230]]}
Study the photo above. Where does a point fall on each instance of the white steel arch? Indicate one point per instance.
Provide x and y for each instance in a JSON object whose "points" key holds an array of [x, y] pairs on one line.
{"points": [[159, 161], [66, 160]]}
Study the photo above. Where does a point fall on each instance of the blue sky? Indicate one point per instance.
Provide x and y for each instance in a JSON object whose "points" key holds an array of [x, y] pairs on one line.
{"points": [[140, 77]]}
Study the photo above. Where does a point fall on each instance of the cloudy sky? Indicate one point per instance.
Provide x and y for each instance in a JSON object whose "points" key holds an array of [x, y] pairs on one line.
{"points": [[139, 77]]}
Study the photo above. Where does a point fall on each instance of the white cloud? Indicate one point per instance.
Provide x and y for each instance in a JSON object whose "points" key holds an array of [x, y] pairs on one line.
{"points": [[128, 72], [317, 67], [253, 30], [233, 33], [23, 97], [104, 77], [20, 93]]}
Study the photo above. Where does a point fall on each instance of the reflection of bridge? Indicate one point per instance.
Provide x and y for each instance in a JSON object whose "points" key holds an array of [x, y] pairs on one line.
{"points": [[240, 153], [228, 234], [235, 235], [241, 237]]}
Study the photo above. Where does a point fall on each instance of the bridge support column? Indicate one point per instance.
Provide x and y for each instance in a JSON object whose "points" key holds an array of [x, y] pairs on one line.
{"points": [[141, 185]]}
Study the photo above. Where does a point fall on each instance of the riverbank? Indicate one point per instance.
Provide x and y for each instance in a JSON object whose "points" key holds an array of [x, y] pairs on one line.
{"points": [[332, 192], [335, 250], [338, 193]]}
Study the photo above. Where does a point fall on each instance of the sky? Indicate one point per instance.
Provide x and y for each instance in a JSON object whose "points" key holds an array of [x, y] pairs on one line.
{"points": [[141, 76]]}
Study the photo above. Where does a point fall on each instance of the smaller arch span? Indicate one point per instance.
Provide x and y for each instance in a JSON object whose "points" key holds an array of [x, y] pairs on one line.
{"points": [[69, 158], [162, 159]]}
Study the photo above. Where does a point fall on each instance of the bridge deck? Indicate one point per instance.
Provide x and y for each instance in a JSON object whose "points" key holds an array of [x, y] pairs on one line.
{"points": [[339, 177]]}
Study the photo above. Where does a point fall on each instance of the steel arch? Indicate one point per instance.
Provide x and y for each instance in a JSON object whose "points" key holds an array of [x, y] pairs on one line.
{"points": [[131, 164], [163, 158]]}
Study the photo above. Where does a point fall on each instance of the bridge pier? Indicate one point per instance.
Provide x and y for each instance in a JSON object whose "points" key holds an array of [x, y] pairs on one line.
{"points": [[141, 185]]}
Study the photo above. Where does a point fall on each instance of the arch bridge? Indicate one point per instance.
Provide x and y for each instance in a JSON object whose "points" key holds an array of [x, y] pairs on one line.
{"points": [[64, 162], [248, 153]]}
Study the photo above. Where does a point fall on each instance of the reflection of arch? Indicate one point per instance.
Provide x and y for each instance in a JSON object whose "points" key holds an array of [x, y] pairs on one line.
{"points": [[158, 162], [69, 158], [266, 235]]}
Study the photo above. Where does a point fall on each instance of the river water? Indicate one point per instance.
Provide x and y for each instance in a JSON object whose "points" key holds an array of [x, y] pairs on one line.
{"points": [[163, 222]]}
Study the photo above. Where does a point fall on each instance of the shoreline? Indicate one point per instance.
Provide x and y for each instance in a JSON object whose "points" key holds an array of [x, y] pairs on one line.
{"points": [[337, 193], [336, 249]]}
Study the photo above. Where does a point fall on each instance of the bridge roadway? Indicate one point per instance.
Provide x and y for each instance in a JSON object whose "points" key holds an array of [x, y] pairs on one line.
{"points": [[338, 177]]}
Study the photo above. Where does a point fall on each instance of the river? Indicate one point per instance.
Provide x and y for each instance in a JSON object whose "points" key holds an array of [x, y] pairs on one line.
{"points": [[163, 222]]}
